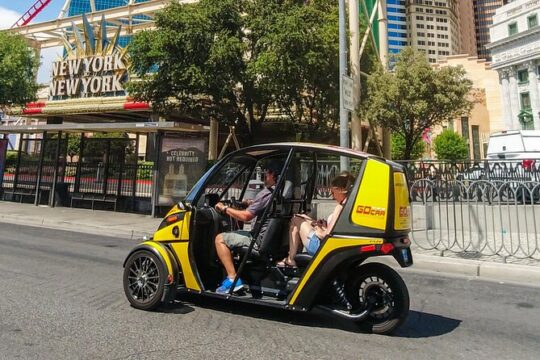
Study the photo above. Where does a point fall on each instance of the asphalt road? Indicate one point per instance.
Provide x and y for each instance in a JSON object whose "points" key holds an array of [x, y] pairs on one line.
{"points": [[61, 298]]}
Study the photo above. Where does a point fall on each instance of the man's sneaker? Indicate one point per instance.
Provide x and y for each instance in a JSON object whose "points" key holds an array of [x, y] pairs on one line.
{"points": [[226, 285]]}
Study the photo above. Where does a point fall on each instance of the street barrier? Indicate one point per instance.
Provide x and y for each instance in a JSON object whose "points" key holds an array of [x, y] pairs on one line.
{"points": [[488, 169], [477, 217]]}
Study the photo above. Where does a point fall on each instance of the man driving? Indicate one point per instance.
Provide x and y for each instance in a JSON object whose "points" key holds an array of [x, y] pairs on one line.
{"points": [[228, 240]]}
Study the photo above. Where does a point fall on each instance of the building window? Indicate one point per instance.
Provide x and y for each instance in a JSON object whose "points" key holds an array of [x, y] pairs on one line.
{"points": [[532, 21], [525, 100], [476, 142], [523, 76], [525, 116], [465, 128], [512, 29]]}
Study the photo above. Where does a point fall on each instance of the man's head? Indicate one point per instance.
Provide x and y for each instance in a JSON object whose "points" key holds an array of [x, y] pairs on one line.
{"points": [[272, 169]]}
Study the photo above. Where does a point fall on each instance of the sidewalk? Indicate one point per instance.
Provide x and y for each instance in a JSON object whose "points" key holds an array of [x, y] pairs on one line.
{"points": [[117, 224], [134, 226]]}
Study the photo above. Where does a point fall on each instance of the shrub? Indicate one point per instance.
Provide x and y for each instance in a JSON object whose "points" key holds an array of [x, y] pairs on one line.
{"points": [[145, 173], [450, 146], [398, 148], [11, 155]]}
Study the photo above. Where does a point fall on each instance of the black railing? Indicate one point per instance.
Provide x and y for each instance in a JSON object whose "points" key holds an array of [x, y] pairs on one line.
{"points": [[130, 180]]}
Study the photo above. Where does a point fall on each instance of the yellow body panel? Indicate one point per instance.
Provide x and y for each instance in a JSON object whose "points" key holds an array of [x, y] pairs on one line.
{"points": [[180, 246], [181, 250], [173, 210], [371, 204], [329, 246], [163, 254], [166, 234], [184, 229], [402, 220]]}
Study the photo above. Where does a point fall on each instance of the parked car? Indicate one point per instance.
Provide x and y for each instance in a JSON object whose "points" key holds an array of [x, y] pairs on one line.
{"points": [[514, 145]]}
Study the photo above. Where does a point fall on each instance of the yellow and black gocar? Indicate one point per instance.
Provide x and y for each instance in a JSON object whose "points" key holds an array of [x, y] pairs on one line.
{"points": [[181, 256]]}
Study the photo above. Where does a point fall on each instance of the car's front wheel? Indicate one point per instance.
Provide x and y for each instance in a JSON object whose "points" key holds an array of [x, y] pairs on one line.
{"points": [[144, 280]]}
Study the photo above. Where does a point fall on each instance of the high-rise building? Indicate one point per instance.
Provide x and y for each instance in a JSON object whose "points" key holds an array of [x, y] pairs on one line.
{"points": [[397, 25], [466, 28], [484, 10], [433, 27], [79, 7]]}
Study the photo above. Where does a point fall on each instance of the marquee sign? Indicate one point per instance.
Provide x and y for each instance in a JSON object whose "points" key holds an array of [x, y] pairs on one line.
{"points": [[93, 64]]}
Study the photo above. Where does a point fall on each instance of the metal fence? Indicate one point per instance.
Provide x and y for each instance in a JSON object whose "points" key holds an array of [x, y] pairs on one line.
{"points": [[477, 217], [492, 170], [130, 180]]}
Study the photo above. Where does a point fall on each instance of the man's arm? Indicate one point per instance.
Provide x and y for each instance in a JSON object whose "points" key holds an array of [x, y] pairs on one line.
{"points": [[241, 215]]}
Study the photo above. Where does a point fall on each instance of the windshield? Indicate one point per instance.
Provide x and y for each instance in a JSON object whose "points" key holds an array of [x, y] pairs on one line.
{"points": [[228, 181]]}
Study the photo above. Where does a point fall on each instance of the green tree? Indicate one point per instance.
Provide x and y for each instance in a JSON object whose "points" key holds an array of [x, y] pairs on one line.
{"points": [[449, 145], [398, 148], [415, 96], [119, 144], [301, 67], [18, 67], [236, 60]]}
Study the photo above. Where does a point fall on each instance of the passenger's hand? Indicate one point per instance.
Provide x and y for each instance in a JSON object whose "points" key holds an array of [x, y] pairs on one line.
{"points": [[303, 216], [319, 223]]}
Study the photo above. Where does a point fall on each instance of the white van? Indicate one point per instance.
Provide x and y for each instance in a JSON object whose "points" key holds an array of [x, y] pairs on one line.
{"points": [[514, 145]]}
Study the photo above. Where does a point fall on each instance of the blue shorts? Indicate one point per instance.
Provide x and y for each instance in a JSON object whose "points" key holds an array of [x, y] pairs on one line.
{"points": [[313, 243]]}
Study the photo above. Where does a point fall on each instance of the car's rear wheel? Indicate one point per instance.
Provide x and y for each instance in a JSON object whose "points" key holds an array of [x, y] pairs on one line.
{"points": [[380, 290], [144, 280]]}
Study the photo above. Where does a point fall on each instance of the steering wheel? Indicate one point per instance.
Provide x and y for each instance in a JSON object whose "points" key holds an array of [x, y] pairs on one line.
{"points": [[235, 204], [228, 222]]}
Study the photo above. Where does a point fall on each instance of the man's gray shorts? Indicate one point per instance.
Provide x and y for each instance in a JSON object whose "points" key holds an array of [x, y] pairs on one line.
{"points": [[238, 238]]}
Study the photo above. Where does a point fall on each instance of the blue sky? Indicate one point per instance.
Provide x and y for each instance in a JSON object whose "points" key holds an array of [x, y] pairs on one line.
{"points": [[11, 10], [19, 7]]}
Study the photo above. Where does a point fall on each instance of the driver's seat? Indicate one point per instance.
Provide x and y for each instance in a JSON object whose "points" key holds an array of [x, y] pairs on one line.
{"points": [[269, 241]]}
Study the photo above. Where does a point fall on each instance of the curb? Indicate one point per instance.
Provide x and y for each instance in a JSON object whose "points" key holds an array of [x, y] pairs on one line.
{"points": [[127, 234], [482, 270]]}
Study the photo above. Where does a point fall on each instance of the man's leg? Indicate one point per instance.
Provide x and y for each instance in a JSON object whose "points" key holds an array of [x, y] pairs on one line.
{"points": [[225, 256]]}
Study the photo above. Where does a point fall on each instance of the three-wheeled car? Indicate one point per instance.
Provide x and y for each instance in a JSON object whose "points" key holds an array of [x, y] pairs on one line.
{"points": [[181, 256]]}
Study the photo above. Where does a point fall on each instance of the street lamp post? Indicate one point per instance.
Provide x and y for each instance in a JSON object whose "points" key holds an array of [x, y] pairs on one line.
{"points": [[354, 29], [343, 114]]}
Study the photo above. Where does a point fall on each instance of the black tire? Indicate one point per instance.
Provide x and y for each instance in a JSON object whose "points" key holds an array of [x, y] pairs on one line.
{"points": [[144, 280], [385, 290]]}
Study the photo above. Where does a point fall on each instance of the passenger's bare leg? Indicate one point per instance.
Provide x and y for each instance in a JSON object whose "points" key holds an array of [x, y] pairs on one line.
{"points": [[294, 240], [303, 233], [225, 256]]}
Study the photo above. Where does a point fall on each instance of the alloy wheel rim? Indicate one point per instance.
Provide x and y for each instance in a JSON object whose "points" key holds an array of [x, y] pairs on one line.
{"points": [[143, 279], [375, 293]]}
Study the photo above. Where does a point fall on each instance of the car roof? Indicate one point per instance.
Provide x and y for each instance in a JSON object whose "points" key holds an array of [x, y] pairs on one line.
{"points": [[338, 150]]}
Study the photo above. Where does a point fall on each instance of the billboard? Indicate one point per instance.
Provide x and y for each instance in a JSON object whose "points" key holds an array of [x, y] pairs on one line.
{"points": [[182, 162]]}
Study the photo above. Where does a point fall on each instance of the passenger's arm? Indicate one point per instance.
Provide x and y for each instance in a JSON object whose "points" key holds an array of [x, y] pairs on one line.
{"points": [[333, 218]]}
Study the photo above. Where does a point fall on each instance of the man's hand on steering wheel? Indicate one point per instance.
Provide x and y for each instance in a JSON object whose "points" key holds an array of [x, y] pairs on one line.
{"points": [[222, 207]]}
